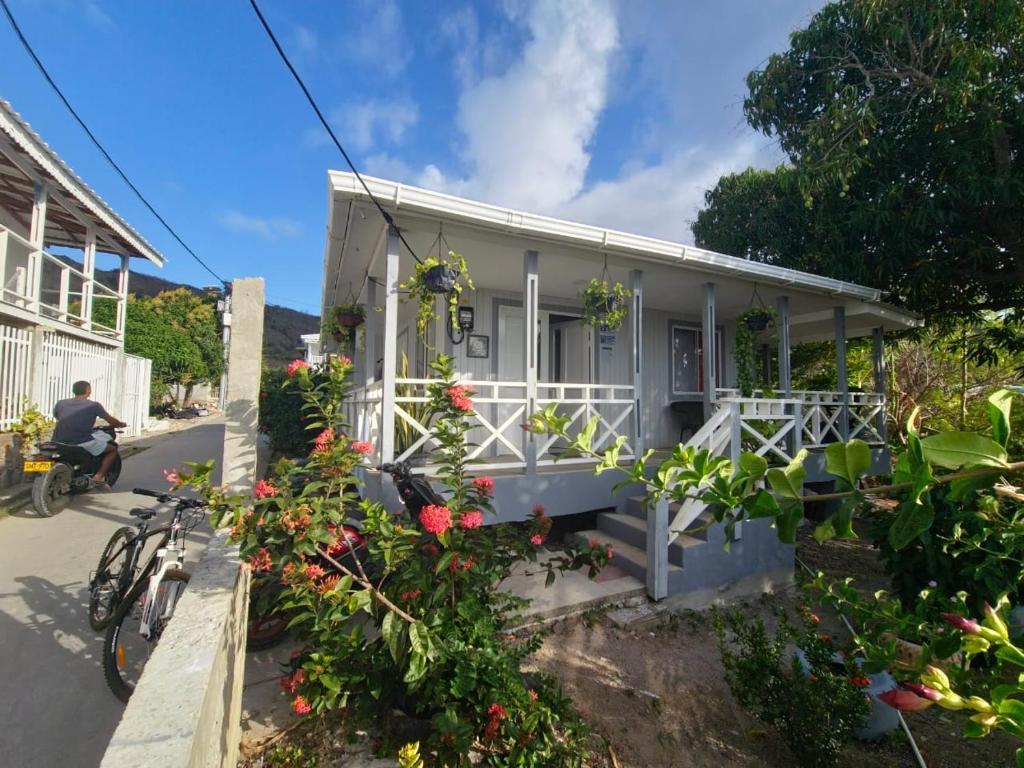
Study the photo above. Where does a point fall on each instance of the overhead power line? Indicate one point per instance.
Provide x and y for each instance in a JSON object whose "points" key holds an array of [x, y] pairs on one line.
{"points": [[39, 64], [327, 126]]}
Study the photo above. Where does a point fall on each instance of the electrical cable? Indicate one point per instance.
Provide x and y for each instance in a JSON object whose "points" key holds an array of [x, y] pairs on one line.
{"points": [[327, 127], [39, 64]]}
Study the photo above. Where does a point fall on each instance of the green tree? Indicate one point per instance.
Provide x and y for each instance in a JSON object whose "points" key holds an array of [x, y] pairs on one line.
{"points": [[196, 317], [902, 120]]}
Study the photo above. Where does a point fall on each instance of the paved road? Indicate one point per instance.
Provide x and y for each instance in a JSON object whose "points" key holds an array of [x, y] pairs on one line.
{"points": [[55, 709]]}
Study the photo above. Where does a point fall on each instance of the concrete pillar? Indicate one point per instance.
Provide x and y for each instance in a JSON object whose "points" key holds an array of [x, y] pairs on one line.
{"points": [[37, 235], [785, 364], [637, 327], [89, 269], [370, 332], [841, 375], [387, 409], [881, 380], [244, 366], [709, 350], [531, 298]]}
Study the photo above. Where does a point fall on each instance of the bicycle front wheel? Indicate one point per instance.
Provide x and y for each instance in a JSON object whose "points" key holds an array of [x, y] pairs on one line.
{"points": [[105, 585], [125, 649]]}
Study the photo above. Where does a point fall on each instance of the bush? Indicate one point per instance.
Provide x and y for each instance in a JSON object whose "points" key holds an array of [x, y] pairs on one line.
{"points": [[281, 416], [815, 710], [428, 587]]}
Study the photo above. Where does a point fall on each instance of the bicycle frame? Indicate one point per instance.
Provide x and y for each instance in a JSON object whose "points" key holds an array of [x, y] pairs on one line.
{"points": [[168, 556]]}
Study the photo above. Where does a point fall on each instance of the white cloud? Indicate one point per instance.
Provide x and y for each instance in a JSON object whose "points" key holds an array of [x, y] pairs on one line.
{"points": [[305, 40], [269, 228], [379, 40], [368, 125], [527, 130]]}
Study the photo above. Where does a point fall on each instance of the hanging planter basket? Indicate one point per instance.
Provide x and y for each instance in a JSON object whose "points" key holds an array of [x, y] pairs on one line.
{"points": [[343, 320], [604, 302], [440, 278], [757, 320]]}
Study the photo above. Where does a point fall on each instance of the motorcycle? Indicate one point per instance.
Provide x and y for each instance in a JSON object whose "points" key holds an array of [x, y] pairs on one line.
{"points": [[267, 623], [65, 470]]}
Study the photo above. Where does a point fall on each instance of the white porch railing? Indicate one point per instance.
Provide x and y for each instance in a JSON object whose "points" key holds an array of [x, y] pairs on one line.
{"points": [[612, 404], [362, 412], [822, 415], [41, 284]]}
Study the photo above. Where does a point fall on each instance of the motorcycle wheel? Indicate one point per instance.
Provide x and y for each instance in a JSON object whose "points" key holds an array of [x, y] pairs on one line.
{"points": [[51, 492], [114, 473]]}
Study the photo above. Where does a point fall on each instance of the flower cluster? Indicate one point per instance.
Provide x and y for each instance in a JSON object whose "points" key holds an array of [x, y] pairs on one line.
{"points": [[435, 519], [496, 713], [484, 485], [324, 440], [364, 448], [297, 366], [459, 396], [470, 520], [264, 490], [261, 561]]}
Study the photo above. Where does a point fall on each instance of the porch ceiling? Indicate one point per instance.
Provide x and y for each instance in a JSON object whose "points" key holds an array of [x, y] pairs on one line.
{"points": [[355, 247]]}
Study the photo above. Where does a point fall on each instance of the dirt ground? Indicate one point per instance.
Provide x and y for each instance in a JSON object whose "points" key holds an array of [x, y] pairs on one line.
{"points": [[656, 697]]}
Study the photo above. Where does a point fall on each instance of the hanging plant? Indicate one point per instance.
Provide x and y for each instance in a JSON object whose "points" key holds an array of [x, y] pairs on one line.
{"points": [[342, 320], [749, 327], [436, 276], [604, 302]]}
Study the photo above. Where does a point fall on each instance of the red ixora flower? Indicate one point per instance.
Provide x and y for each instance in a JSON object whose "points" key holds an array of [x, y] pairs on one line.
{"points": [[472, 519], [609, 552], [300, 706], [459, 398], [364, 448], [497, 713], [292, 683], [261, 561], [435, 518], [411, 594], [323, 440], [297, 365], [538, 510], [172, 476], [860, 681], [910, 697], [484, 485], [264, 489], [345, 360], [536, 539], [430, 550]]}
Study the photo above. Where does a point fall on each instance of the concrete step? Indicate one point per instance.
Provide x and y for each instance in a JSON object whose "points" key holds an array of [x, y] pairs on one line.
{"points": [[633, 531], [635, 508], [633, 560]]}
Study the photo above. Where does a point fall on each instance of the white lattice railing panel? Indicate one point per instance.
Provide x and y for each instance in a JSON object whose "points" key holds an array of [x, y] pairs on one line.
{"points": [[823, 412], [15, 374], [612, 404], [362, 411]]}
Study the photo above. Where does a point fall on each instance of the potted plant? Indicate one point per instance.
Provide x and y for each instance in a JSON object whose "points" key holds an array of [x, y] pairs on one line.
{"points": [[604, 303], [436, 276], [754, 321], [343, 319]]}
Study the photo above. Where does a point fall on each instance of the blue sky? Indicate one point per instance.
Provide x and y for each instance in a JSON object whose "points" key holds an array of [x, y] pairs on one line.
{"points": [[613, 112]]}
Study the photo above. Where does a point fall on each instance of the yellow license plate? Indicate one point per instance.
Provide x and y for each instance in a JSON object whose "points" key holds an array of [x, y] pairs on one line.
{"points": [[38, 466]]}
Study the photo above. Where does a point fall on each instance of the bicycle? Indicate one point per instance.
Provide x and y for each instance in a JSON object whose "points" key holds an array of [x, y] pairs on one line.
{"points": [[122, 594]]}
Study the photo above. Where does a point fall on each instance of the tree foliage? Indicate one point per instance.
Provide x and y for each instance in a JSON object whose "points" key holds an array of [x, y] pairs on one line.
{"points": [[902, 120]]}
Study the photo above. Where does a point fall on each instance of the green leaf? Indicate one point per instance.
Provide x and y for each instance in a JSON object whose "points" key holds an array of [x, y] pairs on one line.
{"points": [[788, 521], [761, 504], [912, 521], [1012, 709], [824, 531], [1020, 757], [417, 668], [444, 561], [753, 465], [954, 450], [999, 403], [848, 461], [789, 482]]}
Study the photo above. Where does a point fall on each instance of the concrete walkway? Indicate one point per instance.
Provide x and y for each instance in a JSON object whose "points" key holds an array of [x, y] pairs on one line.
{"points": [[55, 707]]}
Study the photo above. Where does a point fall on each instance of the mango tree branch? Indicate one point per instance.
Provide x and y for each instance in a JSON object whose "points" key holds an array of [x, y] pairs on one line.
{"points": [[367, 585], [883, 490]]}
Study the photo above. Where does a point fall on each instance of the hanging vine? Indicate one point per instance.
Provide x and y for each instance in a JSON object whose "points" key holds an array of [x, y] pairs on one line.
{"points": [[605, 304], [750, 325]]}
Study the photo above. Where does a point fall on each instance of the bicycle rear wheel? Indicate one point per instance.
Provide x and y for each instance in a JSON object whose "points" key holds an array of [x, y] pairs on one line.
{"points": [[125, 650], [105, 585]]}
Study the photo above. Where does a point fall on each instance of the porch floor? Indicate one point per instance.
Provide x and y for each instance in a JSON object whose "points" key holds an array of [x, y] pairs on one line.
{"points": [[572, 591]]}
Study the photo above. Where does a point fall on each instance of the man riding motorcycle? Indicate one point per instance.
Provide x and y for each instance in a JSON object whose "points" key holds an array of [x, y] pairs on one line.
{"points": [[76, 418]]}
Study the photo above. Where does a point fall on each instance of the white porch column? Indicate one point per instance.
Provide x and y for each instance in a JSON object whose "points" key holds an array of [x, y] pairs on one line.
{"points": [[37, 235], [387, 409], [709, 350], [657, 549], [881, 380], [531, 294], [89, 268], [841, 376], [637, 326], [370, 332], [785, 366], [122, 298]]}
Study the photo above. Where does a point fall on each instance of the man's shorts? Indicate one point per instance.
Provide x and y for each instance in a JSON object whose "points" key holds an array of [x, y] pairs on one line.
{"points": [[98, 444]]}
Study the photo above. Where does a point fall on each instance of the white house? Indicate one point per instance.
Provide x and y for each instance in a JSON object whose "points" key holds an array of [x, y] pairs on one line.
{"points": [[657, 381], [59, 322]]}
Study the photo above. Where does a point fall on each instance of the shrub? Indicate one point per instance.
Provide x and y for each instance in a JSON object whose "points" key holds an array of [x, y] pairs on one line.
{"points": [[34, 426], [281, 416], [815, 709], [428, 588]]}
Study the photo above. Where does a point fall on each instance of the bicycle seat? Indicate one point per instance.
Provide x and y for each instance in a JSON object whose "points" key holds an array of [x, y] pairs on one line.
{"points": [[142, 513]]}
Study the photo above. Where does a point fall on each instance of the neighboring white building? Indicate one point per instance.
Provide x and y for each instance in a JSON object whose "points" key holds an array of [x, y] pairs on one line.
{"points": [[58, 323], [653, 383], [311, 349]]}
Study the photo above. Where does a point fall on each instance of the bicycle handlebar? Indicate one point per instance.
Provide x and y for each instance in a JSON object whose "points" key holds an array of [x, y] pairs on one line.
{"points": [[166, 498]]}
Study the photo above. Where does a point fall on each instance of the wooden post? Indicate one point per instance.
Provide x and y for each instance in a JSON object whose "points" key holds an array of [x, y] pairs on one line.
{"points": [[657, 549], [709, 350], [37, 235], [736, 446], [881, 379], [89, 268], [841, 375], [530, 351], [637, 327], [122, 298], [370, 333], [785, 364], [387, 413]]}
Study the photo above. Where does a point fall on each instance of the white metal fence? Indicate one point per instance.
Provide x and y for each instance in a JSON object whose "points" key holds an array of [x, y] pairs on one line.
{"points": [[120, 382]]}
